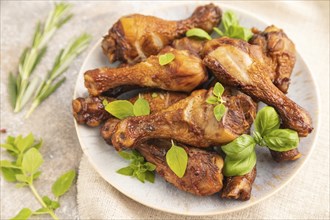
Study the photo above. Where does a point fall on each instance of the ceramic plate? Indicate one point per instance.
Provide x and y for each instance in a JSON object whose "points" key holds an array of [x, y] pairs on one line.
{"points": [[271, 176]]}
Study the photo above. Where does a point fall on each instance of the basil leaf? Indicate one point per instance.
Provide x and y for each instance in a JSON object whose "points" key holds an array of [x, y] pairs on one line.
{"points": [[218, 89], [8, 164], [47, 200], [281, 140], [23, 214], [127, 171], [166, 58], [31, 162], [121, 109], [266, 120], [105, 102], [197, 32], [140, 175], [9, 174], [9, 147], [126, 155], [25, 143], [42, 211], [219, 111], [229, 18], [177, 160], [212, 100], [63, 183], [22, 178], [234, 167], [239, 148], [36, 175], [141, 107], [150, 176], [150, 166]]}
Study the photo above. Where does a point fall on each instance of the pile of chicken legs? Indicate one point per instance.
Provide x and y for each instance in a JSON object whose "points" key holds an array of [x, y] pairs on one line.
{"points": [[258, 70]]}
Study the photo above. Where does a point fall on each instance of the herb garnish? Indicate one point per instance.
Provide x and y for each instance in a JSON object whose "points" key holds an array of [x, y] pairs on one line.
{"points": [[138, 167], [166, 58], [24, 169], [197, 32], [216, 99], [177, 160], [240, 153], [230, 27]]}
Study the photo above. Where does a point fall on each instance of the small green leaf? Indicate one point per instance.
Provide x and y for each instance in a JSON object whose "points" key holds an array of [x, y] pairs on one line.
{"points": [[8, 164], [219, 111], [47, 200], [9, 174], [21, 184], [212, 100], [9, 147], [22, 178], [140, 175], [105, 102], [38, 145], [31, 162], [234, 167], [36, 175], [25, 143], [218, 89], [239, 148], [141, 107], [166, 58], [150, 166], [154, 95], [41, 211], [281, 140], [63, 183], [127, 171], [150, 176], [266, 120], [54, 205], [23, 214], [177, 160], [121, 109], [126, 155], [197, 32]]}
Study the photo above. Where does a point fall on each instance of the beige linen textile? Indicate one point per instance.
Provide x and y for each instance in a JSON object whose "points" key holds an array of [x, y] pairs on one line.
{"points": [[307, 195]]}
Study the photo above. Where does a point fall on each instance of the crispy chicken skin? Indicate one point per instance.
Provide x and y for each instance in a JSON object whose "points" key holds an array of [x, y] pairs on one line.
{"points": [[276, 45], [190, 121], [191, 44], [183, 74], [237, 63], [203, 175], [90, 110], [239, 187], [135, 37]]}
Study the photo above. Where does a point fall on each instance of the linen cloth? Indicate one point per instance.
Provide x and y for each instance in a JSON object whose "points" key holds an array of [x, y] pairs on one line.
{"points": [[307, 195]]}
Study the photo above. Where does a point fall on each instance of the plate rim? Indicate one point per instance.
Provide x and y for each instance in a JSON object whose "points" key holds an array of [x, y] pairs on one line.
{"points": [[212, 213]]}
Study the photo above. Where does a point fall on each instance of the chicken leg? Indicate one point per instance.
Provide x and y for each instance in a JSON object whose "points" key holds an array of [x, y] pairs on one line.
{"points": [[237, 63], [183, 74]]}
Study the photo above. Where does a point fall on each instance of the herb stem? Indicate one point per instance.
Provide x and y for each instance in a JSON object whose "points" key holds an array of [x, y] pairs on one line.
{"points": [[36, 194]]}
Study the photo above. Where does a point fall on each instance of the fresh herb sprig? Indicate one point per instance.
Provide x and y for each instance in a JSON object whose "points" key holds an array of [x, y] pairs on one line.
{"points": [[138, 167], [61, 64], [20, 86], [177, 160], [166, 58], [198, 32], [216, 99], [230, 27], [24, 170], [122, 109], [240, 153]]}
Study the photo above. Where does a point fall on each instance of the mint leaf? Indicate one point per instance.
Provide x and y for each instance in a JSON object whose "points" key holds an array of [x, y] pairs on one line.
{"points": [[31, 162], [121, 109], [166, 58], [63, 183], [141, 107], [23, 214], [177, 160]]}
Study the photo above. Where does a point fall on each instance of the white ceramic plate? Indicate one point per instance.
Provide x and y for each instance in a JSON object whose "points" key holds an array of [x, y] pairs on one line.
{"points": [[271, 176]]}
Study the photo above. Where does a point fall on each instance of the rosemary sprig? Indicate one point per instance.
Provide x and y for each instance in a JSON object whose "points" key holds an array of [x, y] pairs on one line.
{"points": [[61, 64], [21, 87]]}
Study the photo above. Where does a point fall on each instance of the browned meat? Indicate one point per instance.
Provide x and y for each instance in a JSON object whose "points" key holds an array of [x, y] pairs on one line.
{"points": [[90, 110], [286, 155], [276, 45], [203, 175], [193, 45], [183, 74], [190, 121], [239, 187], [237, 63], [162, 101], [135, 37]]}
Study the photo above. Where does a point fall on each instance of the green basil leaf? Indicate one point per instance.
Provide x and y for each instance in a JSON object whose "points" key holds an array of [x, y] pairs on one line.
{"points": [[266, 120], [23, 214], [9, 147], [219, 111], [31, 162], [218, 89], [9, 174], [25, 143], [36, 175], [197, 32], [140, 175], [166, 58], [126, 155], [63, 183], [47, 200], [54, 205], [141, 107], [212, 100], [150, 166], [42, 211], [177, 160], [38, 145], [121, 109], [234, 167], [281, 140], [8, 164], [229, 18], [20, 185], [127, 171], [239, 148], [22, 178], [150, 176], [105, 102]]}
